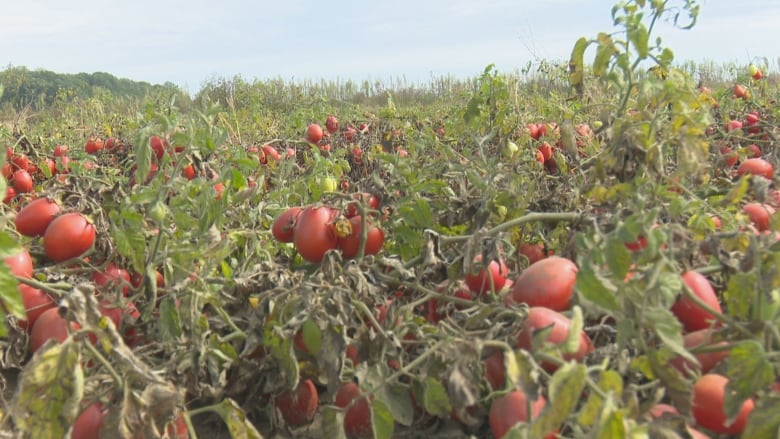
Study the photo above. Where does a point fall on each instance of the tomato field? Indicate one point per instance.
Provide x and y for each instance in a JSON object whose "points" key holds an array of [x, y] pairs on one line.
{"points": [[590, 253]]}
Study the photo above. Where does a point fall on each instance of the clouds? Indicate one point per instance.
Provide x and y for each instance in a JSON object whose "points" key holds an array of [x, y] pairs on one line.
{"points": [[187, 42]]}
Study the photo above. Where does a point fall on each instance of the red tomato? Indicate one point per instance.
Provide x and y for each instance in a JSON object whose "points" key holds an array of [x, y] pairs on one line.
{"points": [[159, 146], [370, 201], [540, 318], [533, 130], [60, 150], [546, 151], [487, 279], [21, 264], [512, 408], [532, 252], [87, 425], [70, 235], [94, 145], [298, 406], [756, 166], [113, 277], [495, 370], [753, 151], [706, 360], [36, 302], [733, 125], [760, 215], [22, 182], [740, 91], [539, 155], [687, 311], [332, 124], [112, 143], [35, 216], [284, 224], [707, 406], [357, 419], [314, 234], [461, 291], [189, 172], [350, 245], [314, 133], [549, 283], [271, 152], [20, 161], [49, 325], [10, 193], [660, 409], [349, 133]]}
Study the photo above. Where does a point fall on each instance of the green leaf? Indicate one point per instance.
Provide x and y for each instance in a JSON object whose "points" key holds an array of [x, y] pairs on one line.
{"points": [[417, 213], [143, 157], [435, 398], [130, 243], [749, 370], [640, 38], [9, 245], [332, 422], [668, 328], [565, 390], [740, 294], [235, 420], [618, 258], [763, 422], [170, 321], [604, 52], [381, 420], [397, 398], [10, 296], [597, 289], [577, 64], [610, 383], [54, 371]]}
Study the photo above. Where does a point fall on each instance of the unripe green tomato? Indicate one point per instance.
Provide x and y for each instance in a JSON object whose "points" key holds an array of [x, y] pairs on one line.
{"points": [[158, 212], [328, 184]]}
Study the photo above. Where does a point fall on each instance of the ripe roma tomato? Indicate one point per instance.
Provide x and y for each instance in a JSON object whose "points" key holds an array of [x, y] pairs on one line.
{"points": [[541, 318], [357, 419], [35, 216], [68, 236], [707, 406], [350, 245], [691, 315], [284, 224], [548, 283], [493, 277], [314, 234], [298, 406], [49, 325], [512, 408]]}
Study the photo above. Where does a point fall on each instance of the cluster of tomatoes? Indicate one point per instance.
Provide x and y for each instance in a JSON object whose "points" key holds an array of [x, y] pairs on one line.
{"points": [[316, 229]]}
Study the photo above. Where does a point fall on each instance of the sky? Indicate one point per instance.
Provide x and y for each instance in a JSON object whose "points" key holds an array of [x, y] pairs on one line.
{"points": [[189, 42]]}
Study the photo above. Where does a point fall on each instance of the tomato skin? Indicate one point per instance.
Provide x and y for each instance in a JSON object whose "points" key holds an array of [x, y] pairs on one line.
{"points": [[60, 150], [510, 409], [495, 370], [760, 215], [159, 146], [533, 252], [371, 202], [548, 283], [35, 216], [314, 133], [20, 161], [332, 124], [94, 145], [87, 425], [36, 302], [298, 406], [707, 360], [493, 276], [461, 291], [70, 235], [271, 152], [113, 277], [21, 264], [707, 406], [314, 234], [540, 318], [756, 166], [350, 245], [22, 181], [49, 325], [284, 224], [189, 172], [357, 419], [687, 311]]}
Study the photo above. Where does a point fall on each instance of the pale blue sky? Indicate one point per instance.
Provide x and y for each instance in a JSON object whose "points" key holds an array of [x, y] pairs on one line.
{"points": [[188, 42]]}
